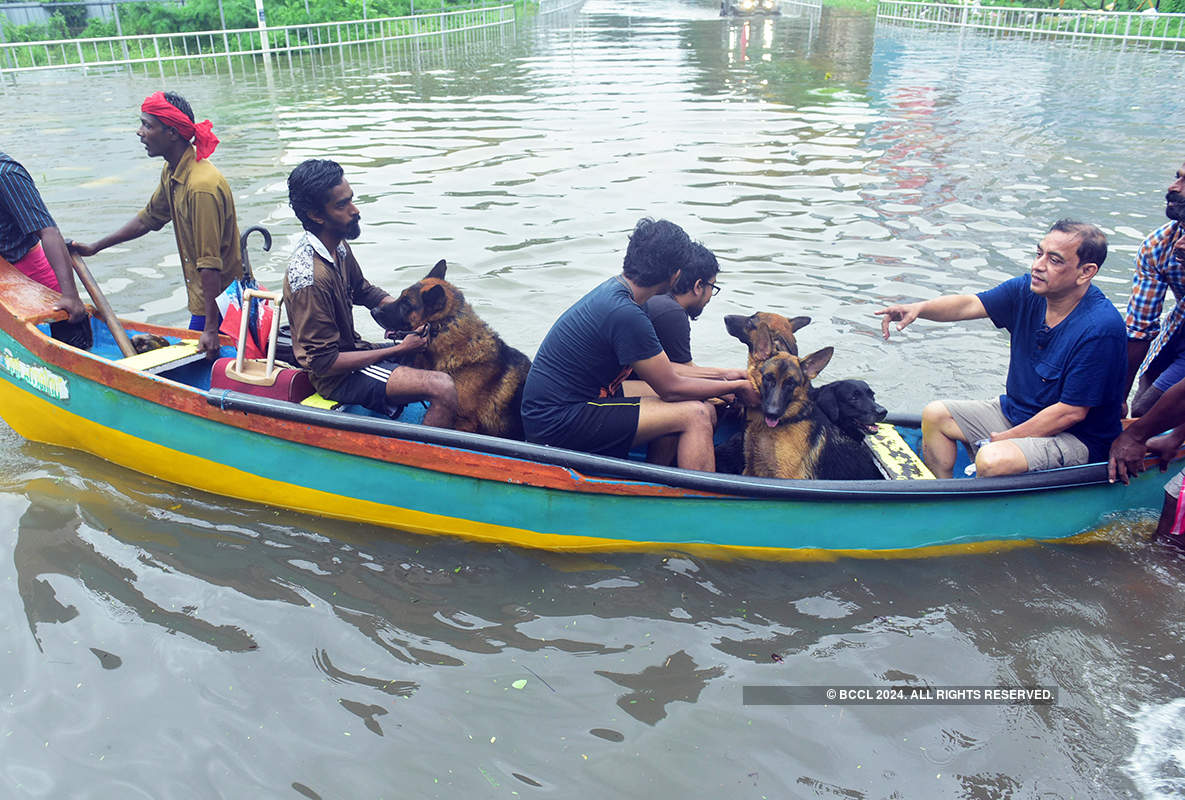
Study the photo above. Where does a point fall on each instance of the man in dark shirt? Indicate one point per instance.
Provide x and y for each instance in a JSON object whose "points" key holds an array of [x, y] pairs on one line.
{"points": [[573, 394], [1065, 369], [322, 284], [671, 313], [31, 242]]}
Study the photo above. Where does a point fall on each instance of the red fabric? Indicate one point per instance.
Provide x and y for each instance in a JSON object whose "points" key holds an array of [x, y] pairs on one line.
{"points": [[36, 266], [204, 140], [1179, 521], [255, 345]]}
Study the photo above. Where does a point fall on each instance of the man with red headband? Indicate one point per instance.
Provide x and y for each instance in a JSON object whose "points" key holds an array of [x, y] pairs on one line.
{"points": [[193, 195]]}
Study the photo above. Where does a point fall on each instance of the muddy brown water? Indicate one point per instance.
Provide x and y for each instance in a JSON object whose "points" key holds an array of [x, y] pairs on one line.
{"points": [[165, 643]]}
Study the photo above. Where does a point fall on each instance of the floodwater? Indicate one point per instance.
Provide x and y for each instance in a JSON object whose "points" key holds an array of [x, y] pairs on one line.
{"points": [[165, 643]]}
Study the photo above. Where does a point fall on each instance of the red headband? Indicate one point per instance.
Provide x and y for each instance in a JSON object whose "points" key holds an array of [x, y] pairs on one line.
{"points": [[204, 140]]}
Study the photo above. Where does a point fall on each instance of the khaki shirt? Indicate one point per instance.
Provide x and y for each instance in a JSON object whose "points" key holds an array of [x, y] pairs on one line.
{"points": [[320, 291], [197, 199]]}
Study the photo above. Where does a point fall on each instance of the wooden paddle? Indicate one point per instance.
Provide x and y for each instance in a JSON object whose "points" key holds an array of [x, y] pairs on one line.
{"points": [[102, 306]]}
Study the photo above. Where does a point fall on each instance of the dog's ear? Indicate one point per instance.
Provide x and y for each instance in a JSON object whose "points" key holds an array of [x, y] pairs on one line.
{"points": [[737, 326], [762, 343], [827, 403], [434, 299], [813, 364], [799, 322], [438, 270], [786, 345]]}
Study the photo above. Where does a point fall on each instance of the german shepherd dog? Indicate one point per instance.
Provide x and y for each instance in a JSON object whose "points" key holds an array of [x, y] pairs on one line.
{"points": [[489, 373], [789, 436], [730, 455], [781, 329]]}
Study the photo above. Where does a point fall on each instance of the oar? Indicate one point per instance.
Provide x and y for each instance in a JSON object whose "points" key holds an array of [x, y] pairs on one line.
{"points": [[103, 307]]}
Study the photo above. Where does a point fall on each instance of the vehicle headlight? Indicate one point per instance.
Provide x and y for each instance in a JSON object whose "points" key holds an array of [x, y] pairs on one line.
{"points": [[747, 5]]}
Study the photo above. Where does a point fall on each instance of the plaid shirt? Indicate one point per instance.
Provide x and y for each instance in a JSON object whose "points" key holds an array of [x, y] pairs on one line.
{"points": [[1157, 268]]}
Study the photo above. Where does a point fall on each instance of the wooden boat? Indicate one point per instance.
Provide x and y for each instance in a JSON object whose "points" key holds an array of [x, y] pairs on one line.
{"points": [[166, 422]]}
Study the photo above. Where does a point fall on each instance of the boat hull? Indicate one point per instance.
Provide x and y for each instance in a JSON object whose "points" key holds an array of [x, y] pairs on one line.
{"points": [[191, 437]]}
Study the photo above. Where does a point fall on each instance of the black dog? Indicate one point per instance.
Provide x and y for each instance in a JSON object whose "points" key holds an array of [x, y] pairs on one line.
{"points": [[851, 407]]}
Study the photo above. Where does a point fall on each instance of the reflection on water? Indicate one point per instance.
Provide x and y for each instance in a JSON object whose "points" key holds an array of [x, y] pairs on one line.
{"points": [[167, 643]]}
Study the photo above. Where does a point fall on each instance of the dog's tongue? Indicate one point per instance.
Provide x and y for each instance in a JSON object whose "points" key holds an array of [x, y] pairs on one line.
{"points": [[771, 421]]}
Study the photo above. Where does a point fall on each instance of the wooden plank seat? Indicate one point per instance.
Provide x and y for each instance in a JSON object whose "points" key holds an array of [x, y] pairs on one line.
{"points": [[162, 358], [896, 459]]}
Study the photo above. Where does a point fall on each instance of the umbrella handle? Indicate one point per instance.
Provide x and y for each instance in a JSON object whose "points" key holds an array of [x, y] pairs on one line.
{"points": [[267, 245]]}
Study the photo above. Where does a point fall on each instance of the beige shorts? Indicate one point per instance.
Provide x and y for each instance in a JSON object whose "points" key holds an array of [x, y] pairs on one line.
{"points": [[1173, 487], [979, 419]]}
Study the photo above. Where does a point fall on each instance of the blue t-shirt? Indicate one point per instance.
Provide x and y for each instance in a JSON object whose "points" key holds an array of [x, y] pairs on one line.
{"points": [[585, 350], [1081, 361]]}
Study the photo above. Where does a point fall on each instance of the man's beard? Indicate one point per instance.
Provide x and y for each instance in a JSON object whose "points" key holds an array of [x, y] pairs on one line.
{"points": [[1175, 206], [353, 230]]}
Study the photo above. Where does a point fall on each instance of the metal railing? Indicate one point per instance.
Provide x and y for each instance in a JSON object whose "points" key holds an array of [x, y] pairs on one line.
{"points": [[162, 48], [1152, 29], [558, 6], [801, 6]]}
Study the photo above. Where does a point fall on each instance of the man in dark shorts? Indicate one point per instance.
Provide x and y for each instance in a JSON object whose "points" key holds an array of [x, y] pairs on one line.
{"points": [[671, 313], [1065, 371], [573, 395], [1159, 354], [31, 242], [322, 283]]}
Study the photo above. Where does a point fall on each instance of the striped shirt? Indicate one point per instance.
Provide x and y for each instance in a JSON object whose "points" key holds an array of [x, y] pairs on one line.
{"points": [[1158, 269], [22, 211]]}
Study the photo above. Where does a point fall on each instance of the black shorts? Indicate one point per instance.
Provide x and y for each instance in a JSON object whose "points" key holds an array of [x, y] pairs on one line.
{"points": [[367, 387], [605, 426]]}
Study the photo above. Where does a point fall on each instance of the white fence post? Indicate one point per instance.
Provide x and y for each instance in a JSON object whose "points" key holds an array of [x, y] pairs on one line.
{"points": [[263, 38]]}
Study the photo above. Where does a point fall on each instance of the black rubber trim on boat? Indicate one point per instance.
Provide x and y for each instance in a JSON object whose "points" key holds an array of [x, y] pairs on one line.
{"points": [[594, 466]]}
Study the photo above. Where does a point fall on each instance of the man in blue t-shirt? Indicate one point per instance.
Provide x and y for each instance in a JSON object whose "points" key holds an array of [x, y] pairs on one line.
{"points": [[1065, 370], [573, 395]]}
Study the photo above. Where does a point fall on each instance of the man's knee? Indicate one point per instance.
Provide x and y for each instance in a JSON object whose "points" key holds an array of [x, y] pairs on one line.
{"points": [[1000, 458], [935, 414], [436, 387], [442, 388], [699, 416]]}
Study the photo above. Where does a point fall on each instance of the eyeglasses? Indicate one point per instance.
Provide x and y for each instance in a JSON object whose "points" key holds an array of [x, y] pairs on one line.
{"points": [[715, 288]]}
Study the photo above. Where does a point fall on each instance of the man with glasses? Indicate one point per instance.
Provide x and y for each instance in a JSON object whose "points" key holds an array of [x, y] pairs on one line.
{"points": [[573, 396], [671, 313], [1066, 366]]}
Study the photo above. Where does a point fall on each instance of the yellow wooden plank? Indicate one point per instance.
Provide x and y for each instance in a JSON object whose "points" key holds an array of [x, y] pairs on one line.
{"points": [[159, 357], [896, 458]]}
